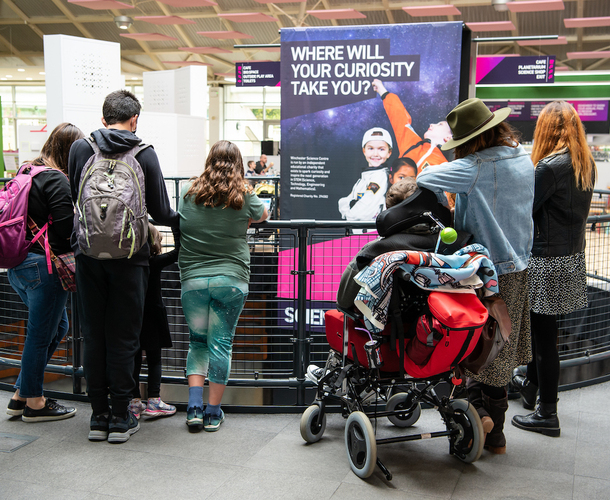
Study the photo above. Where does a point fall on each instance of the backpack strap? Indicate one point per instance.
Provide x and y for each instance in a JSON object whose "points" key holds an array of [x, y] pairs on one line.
{"points": [[38, 233], [137, 149]]}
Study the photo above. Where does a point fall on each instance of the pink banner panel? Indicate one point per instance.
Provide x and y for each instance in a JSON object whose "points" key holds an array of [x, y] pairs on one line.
{"points": [[169, 20], [148, 37], [248, 17], [189, 3], [328, 260], [432, 10], [101, 4], [224, 35], [586, 22], [337, 14], [493, 26], [206, 50], [536, 6]]}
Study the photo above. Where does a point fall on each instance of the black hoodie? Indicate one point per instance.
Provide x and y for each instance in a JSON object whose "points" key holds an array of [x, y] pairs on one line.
{"points": [[113, 141]]}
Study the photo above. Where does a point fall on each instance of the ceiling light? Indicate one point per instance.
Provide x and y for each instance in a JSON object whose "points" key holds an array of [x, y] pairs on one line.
{"points": [[500, 5], [123, 22], [29, 78], [20, 69], [41, 73], [134, 78], [2, 78], [9, 76]]}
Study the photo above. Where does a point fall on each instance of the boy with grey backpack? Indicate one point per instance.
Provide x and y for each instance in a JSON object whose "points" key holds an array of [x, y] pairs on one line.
{"points": [[115, 182]]}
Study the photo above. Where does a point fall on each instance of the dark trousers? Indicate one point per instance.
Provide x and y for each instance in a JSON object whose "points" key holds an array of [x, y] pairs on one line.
{"points": [[543, 370], [153, 361], [110, 306]]}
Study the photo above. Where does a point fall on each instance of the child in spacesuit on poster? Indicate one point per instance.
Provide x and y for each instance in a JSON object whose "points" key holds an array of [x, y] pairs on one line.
{"points": [[367, 198]]}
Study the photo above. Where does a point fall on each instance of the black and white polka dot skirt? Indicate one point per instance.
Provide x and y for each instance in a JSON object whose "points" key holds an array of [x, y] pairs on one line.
{"points": [[557, 285]]}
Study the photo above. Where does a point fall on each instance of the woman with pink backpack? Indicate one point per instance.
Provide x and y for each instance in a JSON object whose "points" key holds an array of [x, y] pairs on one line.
{"points": [[36, 281]]}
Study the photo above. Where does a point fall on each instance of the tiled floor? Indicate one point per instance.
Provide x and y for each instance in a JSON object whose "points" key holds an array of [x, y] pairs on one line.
{"points": [[263, 457]]}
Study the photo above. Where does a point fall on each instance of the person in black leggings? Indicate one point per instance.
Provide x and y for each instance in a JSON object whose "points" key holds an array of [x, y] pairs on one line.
{"points": [[565, 176]]}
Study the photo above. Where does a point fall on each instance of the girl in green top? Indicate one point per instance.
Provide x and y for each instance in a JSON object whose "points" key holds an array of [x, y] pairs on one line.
{"points": [[215, 209]]}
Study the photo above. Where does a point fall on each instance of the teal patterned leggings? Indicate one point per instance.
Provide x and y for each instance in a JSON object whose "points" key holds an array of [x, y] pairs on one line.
{"points": [[212, 307]]}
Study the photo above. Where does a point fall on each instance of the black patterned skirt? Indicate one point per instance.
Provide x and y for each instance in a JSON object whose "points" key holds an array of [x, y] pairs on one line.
{"points": [[557, 285]]}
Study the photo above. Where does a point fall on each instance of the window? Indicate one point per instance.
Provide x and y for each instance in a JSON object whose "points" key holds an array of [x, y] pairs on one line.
{"points": [[252, 115]]}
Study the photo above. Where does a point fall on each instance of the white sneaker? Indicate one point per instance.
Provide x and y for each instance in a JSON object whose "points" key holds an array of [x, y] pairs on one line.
{"points": [[314, 373]]}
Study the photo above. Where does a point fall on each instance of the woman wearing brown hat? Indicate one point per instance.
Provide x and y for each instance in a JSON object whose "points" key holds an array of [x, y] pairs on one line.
{"points": [[565, 175], [493, 179]]}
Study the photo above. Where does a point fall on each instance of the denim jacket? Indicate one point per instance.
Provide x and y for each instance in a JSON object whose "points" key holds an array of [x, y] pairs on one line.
{"points": [[494, 198]]}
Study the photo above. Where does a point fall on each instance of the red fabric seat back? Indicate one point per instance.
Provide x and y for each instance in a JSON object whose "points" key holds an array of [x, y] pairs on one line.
{"points": [[357, 337]]}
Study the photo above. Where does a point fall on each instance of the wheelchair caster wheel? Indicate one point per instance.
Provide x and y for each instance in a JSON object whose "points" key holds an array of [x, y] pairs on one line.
{"points": [[311, 427]]}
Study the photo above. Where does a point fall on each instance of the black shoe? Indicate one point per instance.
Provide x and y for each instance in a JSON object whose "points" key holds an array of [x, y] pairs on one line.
{"points": [[98, 427], [52, 410], [527, 390], [544, 420], [15, 407], [120, 429]]}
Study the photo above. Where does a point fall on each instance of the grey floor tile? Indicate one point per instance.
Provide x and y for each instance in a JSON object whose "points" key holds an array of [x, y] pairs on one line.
{"points": [[587, 488], [490, 480], [373, 491], [26, 490], [593, 459], [277, 485], [180, 477], [594, 428]]}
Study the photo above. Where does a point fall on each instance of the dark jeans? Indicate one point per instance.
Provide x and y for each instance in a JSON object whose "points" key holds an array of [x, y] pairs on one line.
{"points": [[543, 370], [45, 299], [111, 306], [153, 361]]}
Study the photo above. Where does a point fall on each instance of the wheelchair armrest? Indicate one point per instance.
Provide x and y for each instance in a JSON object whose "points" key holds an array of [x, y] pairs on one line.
{"points": [[353, 313]]}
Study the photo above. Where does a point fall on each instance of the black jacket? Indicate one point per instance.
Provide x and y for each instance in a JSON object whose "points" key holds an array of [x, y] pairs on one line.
{"points": [[560, 208], [50, 196], [116, 141]]}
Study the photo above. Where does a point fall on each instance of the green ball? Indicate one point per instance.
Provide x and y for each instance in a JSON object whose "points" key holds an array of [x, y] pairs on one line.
{"points": [[448, 235]]}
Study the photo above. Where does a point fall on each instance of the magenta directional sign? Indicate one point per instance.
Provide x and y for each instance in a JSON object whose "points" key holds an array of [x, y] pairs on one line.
{"points": [[498, 70], [257, 74]]}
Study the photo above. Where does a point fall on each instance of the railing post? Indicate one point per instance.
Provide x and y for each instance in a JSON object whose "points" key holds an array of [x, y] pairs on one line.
{"points": [[301, 343], [77, 342]]}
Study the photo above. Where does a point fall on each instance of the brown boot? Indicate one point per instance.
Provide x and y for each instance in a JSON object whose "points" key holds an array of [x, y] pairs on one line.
{"points": [[495, 441], [475, 397]]}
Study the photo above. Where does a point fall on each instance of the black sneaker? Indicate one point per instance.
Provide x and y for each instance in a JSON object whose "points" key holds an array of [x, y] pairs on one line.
{"points": [[98, 427], [120, 429], [52, 410], [15, 407]]}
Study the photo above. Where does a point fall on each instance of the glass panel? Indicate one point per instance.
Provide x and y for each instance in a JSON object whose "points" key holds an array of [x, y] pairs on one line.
{"points": [[274, 132], [244, 131], [32, 110], [31, 96], [272, 113], [9, 141]]}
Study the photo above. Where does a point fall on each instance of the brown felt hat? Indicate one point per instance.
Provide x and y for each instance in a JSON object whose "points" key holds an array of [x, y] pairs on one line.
{"points": [[471, 118]]}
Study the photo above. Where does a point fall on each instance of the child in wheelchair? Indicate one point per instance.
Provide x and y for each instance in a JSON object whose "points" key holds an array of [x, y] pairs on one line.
{"points": [[397, 333]]}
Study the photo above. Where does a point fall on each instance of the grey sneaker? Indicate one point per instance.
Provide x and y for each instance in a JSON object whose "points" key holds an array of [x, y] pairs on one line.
{"points": [[98, 427], [211, 423], [120, 429]]}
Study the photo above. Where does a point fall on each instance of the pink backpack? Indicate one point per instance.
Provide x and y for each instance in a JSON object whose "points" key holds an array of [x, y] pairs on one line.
{"points": [[14, 217]]}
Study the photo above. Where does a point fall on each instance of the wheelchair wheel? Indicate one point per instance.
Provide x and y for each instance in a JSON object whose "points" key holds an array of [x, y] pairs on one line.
{"points": [[468, 444], [360, 444], [403, 400], [311, 427]]}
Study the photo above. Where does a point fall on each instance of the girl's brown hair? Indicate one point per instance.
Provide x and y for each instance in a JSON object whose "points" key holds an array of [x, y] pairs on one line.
{"points": [[56, 149], [500, 135], [222, 181], [559, 127]]}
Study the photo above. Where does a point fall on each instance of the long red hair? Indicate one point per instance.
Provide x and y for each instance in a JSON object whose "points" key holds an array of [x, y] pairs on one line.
{"points": [[559, 127]]}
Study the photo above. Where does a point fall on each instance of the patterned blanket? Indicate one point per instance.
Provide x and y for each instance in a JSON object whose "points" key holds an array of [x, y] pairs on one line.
{"points": [[465, 270]]}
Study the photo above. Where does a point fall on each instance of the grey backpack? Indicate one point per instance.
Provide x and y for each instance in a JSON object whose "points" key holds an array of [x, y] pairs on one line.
{"points": [[111, 221]]}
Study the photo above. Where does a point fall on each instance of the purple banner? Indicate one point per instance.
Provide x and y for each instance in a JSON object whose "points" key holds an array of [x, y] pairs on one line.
{"points": [[509, 69], [257, 74], [589, 111]]}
